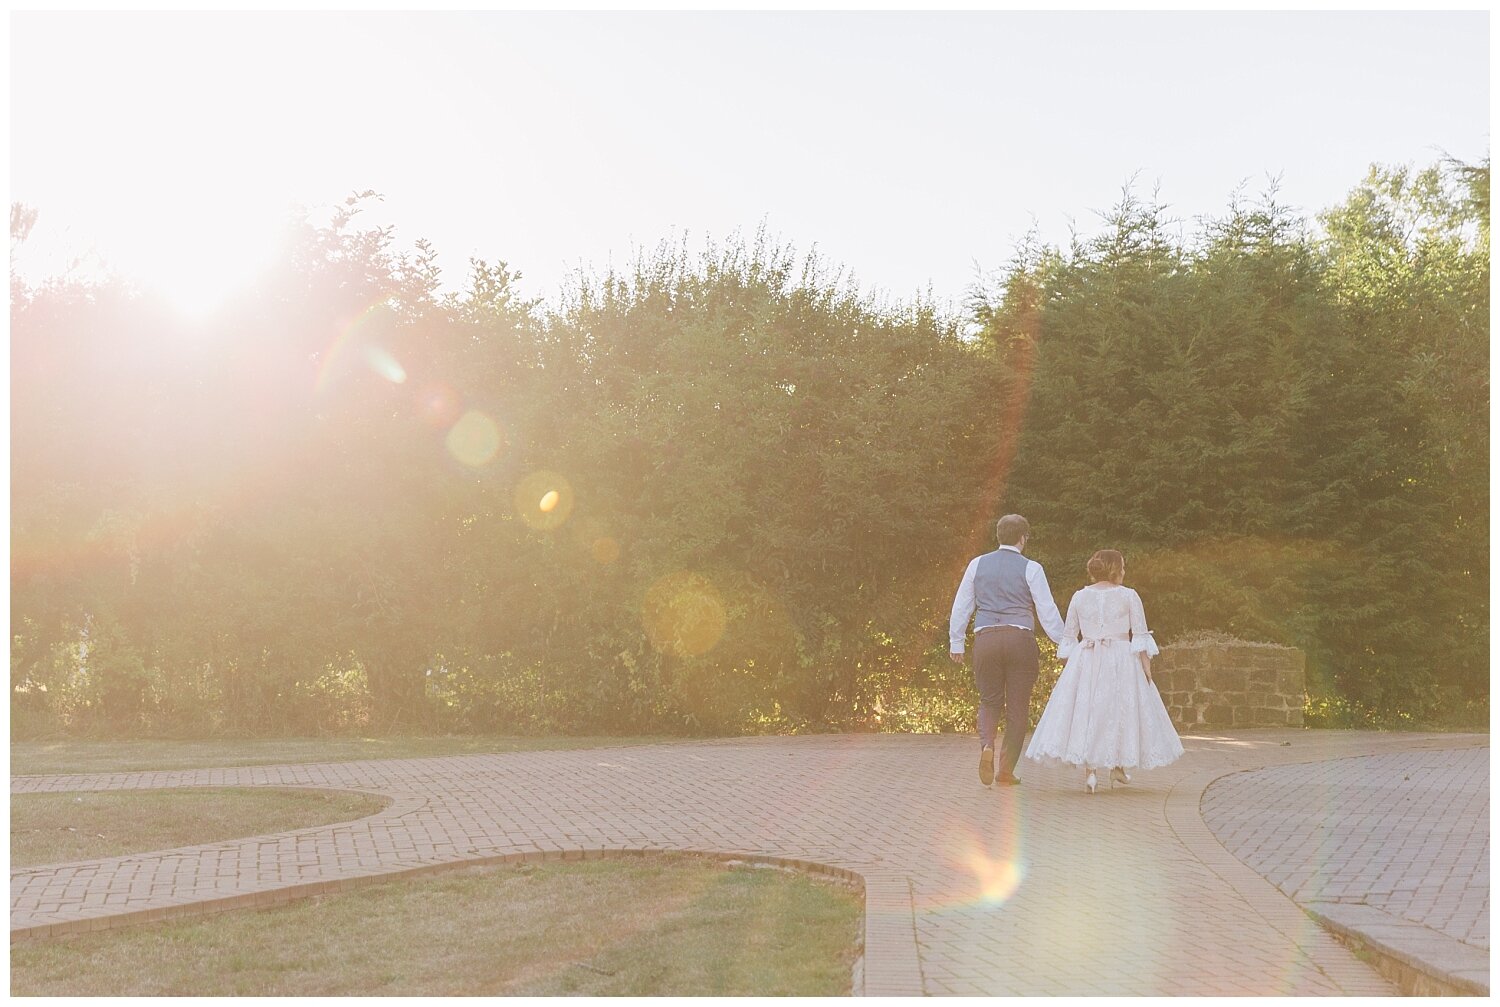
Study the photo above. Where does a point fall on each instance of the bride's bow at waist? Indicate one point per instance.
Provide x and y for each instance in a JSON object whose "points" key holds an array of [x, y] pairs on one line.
{"points": [[1089, 642]]}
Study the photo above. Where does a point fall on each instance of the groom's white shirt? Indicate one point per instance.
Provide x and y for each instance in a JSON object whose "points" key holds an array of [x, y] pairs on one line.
{"points": [[1041, 597]]}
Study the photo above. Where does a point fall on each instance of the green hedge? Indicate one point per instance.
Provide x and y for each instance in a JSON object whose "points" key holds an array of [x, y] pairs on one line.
{"points": [[725, 491]]}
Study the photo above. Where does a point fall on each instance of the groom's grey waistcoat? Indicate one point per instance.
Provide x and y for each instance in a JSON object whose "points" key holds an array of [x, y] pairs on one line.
{"points": [[1002, 597]]}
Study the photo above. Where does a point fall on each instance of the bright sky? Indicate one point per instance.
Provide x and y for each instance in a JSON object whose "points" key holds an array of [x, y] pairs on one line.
{"points": [[906, 147]]}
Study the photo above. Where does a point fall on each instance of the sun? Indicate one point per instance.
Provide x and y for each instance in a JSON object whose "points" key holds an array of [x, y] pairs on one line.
{"points": [[197, 256]]}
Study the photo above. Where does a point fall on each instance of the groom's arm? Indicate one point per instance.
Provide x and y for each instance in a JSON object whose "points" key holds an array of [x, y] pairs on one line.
{"points": [[1041, 597], [963, 611]]}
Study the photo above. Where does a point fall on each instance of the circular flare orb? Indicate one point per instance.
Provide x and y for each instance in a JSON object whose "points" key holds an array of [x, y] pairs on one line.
{"points": [[438, 405], [606, 550], [544, 500], [684, 614], [474, 439]]}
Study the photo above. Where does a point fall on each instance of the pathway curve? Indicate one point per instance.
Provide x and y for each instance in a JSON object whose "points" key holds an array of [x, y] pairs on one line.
{"points": [[1393, 849], [1038, 889]]}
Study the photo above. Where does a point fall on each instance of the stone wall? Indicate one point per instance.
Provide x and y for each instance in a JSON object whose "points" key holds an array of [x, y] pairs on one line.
{"points": [[1231, 683]]}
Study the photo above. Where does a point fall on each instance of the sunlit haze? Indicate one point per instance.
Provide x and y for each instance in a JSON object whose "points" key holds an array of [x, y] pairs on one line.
{"points": [[911, 149]]}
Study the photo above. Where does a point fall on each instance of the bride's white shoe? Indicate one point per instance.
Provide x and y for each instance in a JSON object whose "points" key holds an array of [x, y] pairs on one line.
{"points": [[1118, 775], [1092, 783]]}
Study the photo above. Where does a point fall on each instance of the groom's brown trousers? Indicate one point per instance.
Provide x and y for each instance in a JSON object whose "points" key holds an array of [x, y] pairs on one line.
{"points": [[1006, 662]]}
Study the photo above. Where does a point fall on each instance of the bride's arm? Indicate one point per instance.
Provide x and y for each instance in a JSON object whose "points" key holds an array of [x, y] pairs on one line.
{"points": [[1070, 631], [1141, 640]]}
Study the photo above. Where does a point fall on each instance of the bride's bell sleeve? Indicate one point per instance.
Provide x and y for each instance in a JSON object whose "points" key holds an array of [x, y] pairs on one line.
{"points": [[1141, 640], [1070, 631]]}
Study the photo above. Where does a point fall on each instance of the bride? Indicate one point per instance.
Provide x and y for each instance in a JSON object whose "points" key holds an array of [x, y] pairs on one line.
{"points": [[1105, 710]]}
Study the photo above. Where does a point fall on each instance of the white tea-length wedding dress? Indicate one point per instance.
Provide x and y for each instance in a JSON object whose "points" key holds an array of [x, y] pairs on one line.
{"points": [[1104, 712]]}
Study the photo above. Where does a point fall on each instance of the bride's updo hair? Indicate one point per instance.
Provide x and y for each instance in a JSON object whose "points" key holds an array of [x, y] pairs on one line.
{"points": [[1107, 564]]}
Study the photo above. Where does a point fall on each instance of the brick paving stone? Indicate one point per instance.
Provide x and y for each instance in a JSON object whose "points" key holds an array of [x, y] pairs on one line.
{"points": [[1393, 847], [1035, 890], [1308, 829]]}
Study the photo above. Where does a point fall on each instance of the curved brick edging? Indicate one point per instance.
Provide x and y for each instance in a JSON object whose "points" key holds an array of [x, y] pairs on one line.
{"points": [[1268, 901], [885, 977], [1421, 961], [887, 915], [903, 813], [892, 962], [398, 806], [394, 807], [888, 966]]}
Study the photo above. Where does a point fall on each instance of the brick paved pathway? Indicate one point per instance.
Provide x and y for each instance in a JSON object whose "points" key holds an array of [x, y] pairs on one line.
{"points": [[1039, 889], [1395, 844]]}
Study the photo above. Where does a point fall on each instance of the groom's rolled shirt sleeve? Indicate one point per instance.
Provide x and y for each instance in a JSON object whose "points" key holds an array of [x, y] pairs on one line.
{"points": [[963, 610], [1041, 597]]}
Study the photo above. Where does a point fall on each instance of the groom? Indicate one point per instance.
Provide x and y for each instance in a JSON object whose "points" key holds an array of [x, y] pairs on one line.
{"points": [[1009, 592]]}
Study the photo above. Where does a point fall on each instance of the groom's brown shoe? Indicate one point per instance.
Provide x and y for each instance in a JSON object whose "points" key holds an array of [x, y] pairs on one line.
{"points": [[986, 766], [1008, 780]]}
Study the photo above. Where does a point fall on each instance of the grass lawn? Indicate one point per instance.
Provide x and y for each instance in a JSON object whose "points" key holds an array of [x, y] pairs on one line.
{"points": [[34, 758], [58, 828], [659, 926]]}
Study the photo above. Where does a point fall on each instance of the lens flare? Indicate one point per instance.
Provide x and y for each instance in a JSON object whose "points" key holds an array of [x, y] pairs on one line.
{"points": [[992, 858], [684, 614], [474, 439], [544, 500], [438, 405], [998, 878], [385, 365], [597, 538], [359, 332], [606, 550]]}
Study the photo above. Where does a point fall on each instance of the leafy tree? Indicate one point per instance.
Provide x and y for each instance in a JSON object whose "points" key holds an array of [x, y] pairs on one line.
{"points": [[1284, 429], [1407, 258], [726, 491]]}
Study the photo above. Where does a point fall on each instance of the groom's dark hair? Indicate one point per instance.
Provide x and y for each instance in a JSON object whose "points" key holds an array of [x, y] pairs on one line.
{"points": [[1010, 529]]}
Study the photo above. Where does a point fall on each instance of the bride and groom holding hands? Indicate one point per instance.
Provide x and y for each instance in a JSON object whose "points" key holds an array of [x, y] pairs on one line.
{"points": [[1104, 713]]}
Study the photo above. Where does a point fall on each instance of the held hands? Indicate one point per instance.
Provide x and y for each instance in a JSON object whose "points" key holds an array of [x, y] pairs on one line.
{"points": [[955, 657]]}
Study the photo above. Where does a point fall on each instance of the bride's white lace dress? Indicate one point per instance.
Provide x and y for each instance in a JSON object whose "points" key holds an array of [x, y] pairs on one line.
{"points": [[1103, 712]]}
